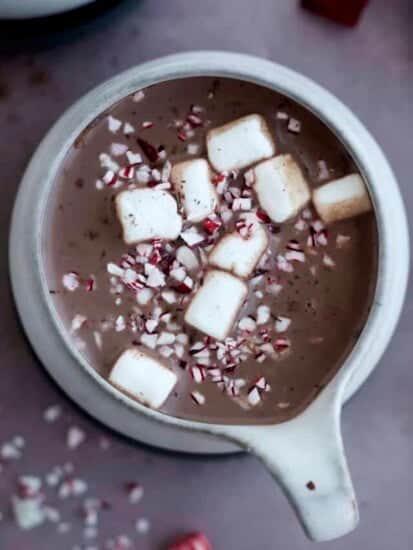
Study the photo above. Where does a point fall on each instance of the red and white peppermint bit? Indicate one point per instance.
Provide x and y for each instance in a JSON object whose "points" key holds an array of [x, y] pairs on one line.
{"points": [[342, 241], [194, 120], [211, 225], [283, 264], [247, 324], [77, 322], [72, 487], [192, 148], [106, 161], [282, 323], [316, 339], [294, 126], [138, 96], [218, 178], [307, 214], [318, 234], [197, 109], [91, 284], [142, 526], [118, 149], [113, 124], [71, 281], [135, 492], [127, 172], [133, 158], [148, 149], [260, 383], [28, 512], [28, 486], [156, 257], [198, 397], [273, 286], [241, 204], [263, 314], [166, 171], [157, 244], [281, 115], [300, 225], [295, 256], [110, 178], [121, 542], [75, 437], [147, 124], [128, 129], [328, 261], [253, 396], [198, 374], [249, 178], [192, 236], [323, 171], [182, 136], [281, 344], [244, 228], [263, 216], [195, 541], [52, 413], [114, 269]]}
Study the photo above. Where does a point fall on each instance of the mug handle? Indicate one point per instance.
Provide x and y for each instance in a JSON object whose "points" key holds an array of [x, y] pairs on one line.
{"points": [[306, 457]]}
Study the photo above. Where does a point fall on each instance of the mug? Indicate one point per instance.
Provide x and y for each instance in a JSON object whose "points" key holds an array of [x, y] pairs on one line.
{"points": [[305, 455]]}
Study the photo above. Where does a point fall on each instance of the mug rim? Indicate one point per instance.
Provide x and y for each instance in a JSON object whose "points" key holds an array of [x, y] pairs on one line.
{"points": [[391, 275]]}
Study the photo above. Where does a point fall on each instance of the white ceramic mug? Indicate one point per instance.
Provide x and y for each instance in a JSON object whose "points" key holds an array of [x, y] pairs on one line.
{"points": [[305, 455]]}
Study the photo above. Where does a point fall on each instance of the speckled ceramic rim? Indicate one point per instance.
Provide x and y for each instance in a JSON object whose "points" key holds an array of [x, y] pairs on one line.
{"points": [[40, 320]]}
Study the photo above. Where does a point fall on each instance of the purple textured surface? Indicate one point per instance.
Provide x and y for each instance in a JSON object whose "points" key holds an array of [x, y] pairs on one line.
{"points": [[231, 499]]}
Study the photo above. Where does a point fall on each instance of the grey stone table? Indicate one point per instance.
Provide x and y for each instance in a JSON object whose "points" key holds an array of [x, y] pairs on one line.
{"points": [[231, 499]]}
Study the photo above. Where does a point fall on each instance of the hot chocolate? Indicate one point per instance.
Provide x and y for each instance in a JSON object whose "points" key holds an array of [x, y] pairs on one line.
{"points": [[210, 247]]}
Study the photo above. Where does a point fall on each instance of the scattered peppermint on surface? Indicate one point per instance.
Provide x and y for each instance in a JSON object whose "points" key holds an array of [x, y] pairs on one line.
{"points": [[75, 437]]}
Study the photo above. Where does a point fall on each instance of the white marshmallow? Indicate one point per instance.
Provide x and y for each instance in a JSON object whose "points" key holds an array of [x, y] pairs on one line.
{"points": [[192, 180], [143, 377], [342, 198], [240, 143], [215, 307], [147, 214], [238, 255], [281, 187]]}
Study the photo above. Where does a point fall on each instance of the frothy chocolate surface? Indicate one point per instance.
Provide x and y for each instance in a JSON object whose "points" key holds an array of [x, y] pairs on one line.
{"points": [[318, 305]]}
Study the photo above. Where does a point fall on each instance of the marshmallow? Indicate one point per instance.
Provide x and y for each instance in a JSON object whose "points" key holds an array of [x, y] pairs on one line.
{"points": [[143, 377], [240, 255], [147, 214], [240, 143], [215, 307], [192, 180], [342, 198], [281, 187]]}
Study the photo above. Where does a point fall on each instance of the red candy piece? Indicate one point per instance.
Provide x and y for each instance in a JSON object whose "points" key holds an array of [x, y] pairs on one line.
{"points": [[211, 226], [148, 149], [346, 12], [196, 541]]}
